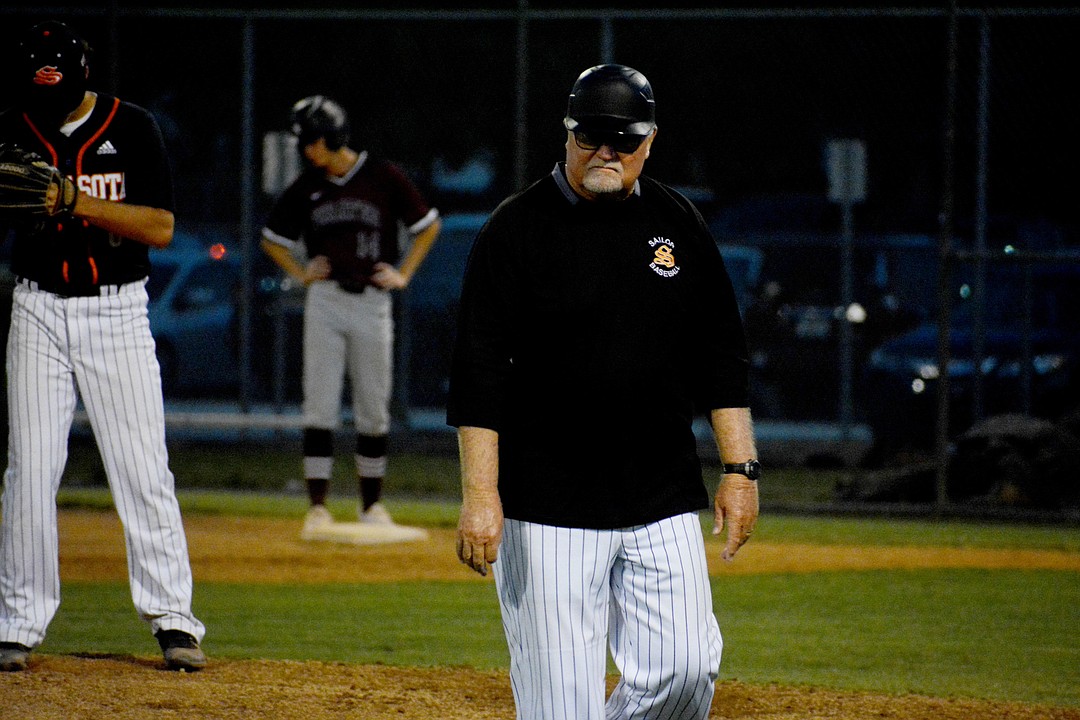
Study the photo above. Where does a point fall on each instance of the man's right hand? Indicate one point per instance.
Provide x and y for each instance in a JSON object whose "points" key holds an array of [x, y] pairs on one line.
{"points": [[480, 531], [481, 522]]}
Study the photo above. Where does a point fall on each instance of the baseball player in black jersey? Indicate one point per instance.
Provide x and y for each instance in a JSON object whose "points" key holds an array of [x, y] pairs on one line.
{"points": [[596, 320], [345, 212], [79, 330]]}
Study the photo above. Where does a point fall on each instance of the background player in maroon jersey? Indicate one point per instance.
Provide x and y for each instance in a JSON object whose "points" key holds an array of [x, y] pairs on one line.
{"points": [[345, 212]]}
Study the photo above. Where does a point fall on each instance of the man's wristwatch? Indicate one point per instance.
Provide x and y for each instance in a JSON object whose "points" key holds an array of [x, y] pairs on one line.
{"points": [[750, 468]]}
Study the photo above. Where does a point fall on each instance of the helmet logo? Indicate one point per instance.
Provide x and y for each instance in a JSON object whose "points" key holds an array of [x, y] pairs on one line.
{"points": [[48, 75], [663, 263]]}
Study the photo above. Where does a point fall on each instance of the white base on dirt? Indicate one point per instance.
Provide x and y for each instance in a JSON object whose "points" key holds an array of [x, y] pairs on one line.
{"points": [[356, 533]]}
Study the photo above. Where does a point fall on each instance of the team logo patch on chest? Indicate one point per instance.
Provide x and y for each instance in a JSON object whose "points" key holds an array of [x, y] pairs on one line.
{"points": [[663, 262]]}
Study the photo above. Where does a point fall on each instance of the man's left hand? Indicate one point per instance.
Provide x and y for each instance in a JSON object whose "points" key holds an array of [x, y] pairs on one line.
{"points": [[736, 505]]}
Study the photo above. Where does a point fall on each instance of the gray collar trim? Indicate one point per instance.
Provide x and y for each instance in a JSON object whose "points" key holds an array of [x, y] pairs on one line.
{"points": [[360, 160]]}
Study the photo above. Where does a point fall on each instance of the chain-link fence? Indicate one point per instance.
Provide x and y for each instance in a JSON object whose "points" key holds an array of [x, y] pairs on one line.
{"points": [[962, 210]]}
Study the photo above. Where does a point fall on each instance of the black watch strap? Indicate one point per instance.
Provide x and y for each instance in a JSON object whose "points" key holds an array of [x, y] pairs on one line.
{"points": [[750, 468]]}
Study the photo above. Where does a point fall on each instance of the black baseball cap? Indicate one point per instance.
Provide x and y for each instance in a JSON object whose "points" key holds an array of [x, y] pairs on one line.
{"points": [[611, 98], [53, 60]]}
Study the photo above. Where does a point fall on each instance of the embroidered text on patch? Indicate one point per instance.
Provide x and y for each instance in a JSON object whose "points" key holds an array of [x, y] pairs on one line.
{"points": [[663, 263]]}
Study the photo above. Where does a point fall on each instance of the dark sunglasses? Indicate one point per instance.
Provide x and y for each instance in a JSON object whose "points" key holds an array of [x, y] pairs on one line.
{"points": [[622, 144]]}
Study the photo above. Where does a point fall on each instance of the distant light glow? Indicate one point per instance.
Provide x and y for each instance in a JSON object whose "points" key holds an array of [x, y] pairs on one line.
{"points": [[918, 386], [965, 291], [856, 313], [217, 251], [1010, 249]]}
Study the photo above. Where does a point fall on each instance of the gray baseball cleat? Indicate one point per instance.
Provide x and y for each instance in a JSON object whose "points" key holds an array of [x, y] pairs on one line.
{"points": [[13, 656], [181, 650]]}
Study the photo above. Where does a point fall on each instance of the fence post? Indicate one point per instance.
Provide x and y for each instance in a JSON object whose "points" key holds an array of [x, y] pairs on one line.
{"points": [[846, 166], [944, 350]]}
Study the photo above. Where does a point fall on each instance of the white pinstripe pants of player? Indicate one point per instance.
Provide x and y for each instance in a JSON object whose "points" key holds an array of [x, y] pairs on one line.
{"points": [[559, 588], [102, 349], [351, 332]]}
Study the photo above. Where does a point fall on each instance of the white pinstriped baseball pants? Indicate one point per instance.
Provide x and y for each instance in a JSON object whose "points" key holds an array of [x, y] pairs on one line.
{"points": [[100, 348], [559, 588]]}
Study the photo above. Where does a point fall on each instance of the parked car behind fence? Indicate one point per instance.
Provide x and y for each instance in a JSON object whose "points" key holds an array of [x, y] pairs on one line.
{"points": [[1029, 360], [195, 288], [429, 311], [795, 320], [192, 290]]}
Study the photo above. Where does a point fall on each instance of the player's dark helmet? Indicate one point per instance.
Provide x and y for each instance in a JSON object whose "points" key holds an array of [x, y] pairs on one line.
{"points": [[611, 98], [317, 117], [52, 70]]}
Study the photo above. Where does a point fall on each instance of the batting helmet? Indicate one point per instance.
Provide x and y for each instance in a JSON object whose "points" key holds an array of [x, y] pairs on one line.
{"points": [[611, 98], [317, 117], [52, 70]]}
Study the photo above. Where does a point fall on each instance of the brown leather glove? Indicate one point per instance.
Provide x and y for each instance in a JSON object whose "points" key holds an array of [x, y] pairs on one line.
{"points": [[30, 188]]}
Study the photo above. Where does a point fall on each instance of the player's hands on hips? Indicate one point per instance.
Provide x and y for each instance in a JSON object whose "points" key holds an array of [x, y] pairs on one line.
{"points": [[318, 268], [736, 505], [480, 530], [388, 277]]}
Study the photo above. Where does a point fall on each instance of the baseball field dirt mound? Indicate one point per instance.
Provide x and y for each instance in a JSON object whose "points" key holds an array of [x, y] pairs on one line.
{"points": [[129, 688], [266, 550]]}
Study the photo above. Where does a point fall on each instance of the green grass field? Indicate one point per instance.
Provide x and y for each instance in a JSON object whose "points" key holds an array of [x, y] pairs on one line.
{"points": [[989, 634]]}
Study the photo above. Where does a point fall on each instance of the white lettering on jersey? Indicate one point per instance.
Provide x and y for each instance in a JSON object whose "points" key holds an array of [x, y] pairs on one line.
{"points": [[353, 211], [367, 244], [104, 186]]}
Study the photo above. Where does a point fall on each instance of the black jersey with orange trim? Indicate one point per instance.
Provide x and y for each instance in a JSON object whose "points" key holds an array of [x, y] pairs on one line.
{"points": [[118, 154]]}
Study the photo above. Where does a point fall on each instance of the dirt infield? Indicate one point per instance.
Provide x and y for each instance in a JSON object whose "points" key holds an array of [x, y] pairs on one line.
{"points": [[124, 688], [227, 549]]}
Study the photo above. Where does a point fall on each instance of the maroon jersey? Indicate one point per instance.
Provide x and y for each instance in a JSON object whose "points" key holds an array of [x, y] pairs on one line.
{"points": [[117, 154], [352, 220]]}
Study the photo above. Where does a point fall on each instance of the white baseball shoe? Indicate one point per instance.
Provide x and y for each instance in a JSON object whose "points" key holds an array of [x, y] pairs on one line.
{"points": [[318, 518], [377, 514]]}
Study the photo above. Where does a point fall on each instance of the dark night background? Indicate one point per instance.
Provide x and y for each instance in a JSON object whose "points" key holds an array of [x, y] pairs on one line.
{"points": [[745, 103], [747, 100]]}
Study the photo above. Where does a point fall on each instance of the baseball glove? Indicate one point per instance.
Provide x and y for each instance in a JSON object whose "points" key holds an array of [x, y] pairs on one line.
{"points": [[30, 188]]}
